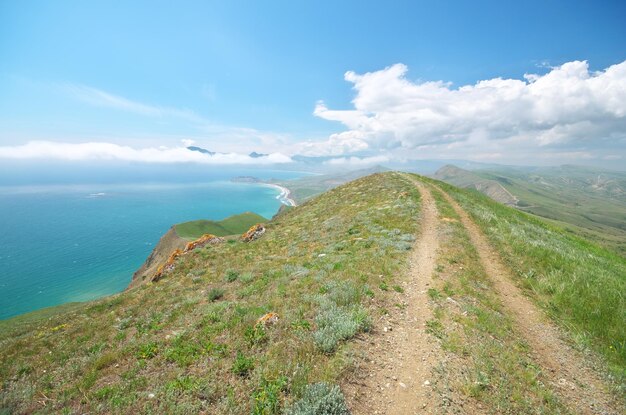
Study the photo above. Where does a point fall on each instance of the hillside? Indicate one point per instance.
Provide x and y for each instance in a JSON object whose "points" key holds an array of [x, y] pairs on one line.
{"points": [[233, 225], [307, 187], [408, 294], [588, 202], [468, 180], [180, 234]]}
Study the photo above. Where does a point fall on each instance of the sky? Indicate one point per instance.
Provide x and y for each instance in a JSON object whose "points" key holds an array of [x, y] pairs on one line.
{"points": [[532, 83]]}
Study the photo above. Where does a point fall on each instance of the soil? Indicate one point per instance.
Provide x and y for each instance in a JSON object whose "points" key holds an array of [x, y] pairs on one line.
{"points": [[395, 376], [397, 373], [578, 386]]}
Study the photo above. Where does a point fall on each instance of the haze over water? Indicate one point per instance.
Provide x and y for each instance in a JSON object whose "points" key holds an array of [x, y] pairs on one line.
{"points": [[64, 243]]}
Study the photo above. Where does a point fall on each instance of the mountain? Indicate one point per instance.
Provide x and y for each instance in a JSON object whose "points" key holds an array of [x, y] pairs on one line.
{"points": [[201, 150], [393, 292], [468, 180], [256, 155], [586, 201]]}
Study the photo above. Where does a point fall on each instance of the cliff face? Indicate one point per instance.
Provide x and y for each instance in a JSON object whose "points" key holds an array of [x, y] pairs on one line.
{"points": [[167, 244]]}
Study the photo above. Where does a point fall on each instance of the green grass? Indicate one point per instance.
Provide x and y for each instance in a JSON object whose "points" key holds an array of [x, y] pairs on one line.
{"points": [[232, 225], [171, 341], [579, 284], [492, 365], [329, 268], [567, 195]]}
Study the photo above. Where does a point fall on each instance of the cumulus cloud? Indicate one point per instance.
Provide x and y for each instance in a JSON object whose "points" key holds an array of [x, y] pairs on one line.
{"points": [[110, 151], [569, 106]]}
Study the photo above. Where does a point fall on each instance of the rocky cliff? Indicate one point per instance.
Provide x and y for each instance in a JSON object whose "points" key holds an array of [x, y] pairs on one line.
{"points": [[168, 243]]}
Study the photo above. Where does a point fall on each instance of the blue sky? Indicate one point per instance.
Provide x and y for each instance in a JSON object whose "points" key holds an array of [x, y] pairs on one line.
{"points": [[270, 76]]}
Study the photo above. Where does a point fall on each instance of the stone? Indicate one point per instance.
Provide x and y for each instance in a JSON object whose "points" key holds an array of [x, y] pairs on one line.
{"points": [[206, 239], [267, 319], [254, 233]]}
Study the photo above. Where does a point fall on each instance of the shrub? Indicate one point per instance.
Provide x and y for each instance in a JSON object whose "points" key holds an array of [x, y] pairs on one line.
{"points": [[266, 398], [335, 324], [231, 275], [147, 351], [246, 278], [255, 335], [320, 399], [105, 360], [242, 364], [215, 294], [340, 315], [183, 351]]}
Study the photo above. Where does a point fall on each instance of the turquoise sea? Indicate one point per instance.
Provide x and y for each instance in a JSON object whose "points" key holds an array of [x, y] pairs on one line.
{"points": [[75, 242]]}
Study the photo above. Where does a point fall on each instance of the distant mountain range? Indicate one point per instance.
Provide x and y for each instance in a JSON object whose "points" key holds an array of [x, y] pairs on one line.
{"points": [[253, 155]]}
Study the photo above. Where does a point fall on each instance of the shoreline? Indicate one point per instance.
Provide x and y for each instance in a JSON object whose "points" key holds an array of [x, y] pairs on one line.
{"points": [[284, 196]]}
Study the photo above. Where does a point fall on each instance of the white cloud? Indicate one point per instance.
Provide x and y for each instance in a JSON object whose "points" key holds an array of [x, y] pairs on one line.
{"points": [[110, 151], [357, 161], [569, 107]]}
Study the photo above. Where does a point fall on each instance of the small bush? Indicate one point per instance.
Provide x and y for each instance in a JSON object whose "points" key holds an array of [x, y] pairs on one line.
{"points": [[335, 324], [183, 351], [246, 278], [320, 399], [215, 294], [435, 328], [397, 288], [105, 360], [231, 275], [242, 364], [266, 397], [434, 294], [147, 351], [255, 335]]}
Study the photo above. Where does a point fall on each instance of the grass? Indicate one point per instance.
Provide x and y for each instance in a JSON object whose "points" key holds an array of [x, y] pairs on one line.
{"points": [[578, 283], [329, 269], [170, 339], [216, 293], [565, 195], [492, 367], [232, 225]]}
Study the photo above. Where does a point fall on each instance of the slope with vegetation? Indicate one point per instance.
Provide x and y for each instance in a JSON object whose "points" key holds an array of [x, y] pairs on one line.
{"points": [[190, 342], [305, 188], [517, 316], [232, 225], [585, 201]]}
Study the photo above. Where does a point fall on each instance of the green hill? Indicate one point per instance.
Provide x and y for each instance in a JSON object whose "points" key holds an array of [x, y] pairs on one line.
{"points": [[338, 272], [586, 201], [233, 225], [305, 188]]}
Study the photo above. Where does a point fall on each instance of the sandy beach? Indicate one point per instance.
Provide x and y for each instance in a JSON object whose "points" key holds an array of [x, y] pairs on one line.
{"points": [[284, 195]]}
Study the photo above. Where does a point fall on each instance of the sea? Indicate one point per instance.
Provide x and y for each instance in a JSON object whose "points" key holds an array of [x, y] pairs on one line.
{"points": [[67, 242]]}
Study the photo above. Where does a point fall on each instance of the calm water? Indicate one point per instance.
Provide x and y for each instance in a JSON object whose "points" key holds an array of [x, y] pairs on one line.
{"points": [[79, 242]]}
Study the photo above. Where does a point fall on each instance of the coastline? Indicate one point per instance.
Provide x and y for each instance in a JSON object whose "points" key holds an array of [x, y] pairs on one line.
{"points": [[284, 195]]}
